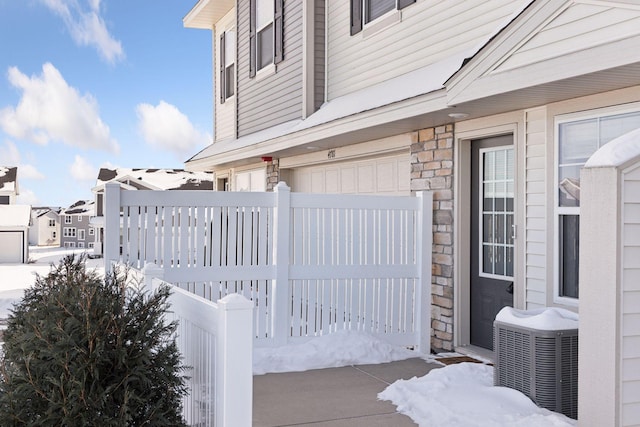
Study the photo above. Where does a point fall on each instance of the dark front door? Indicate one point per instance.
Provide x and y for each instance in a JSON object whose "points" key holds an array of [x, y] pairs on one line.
{"points": [[492, 234]]}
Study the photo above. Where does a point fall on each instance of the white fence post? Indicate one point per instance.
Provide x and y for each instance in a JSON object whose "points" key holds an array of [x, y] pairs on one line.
{"points": [[111, 224], [424, 253], [234, 366], [151, 271], [280, 309]]}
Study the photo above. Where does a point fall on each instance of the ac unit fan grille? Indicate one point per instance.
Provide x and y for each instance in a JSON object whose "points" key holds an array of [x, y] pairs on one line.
{"points": [[543, 365]]}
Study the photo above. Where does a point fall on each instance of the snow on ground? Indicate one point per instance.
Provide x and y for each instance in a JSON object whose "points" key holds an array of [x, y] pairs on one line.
{"points": [[342, 348], [458, 395], [15, 278], [464, 395]]}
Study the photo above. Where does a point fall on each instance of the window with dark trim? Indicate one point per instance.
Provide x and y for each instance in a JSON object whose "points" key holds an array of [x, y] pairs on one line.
{"points": [[366, 11], [266, 37], [227, 65]]}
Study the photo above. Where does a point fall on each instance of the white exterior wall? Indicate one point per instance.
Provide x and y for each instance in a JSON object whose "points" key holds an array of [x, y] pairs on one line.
{"points": [[536, 247], [41, 234], [427, 32], [577, 27], [598, 396], [225, 114], [630, 259]]}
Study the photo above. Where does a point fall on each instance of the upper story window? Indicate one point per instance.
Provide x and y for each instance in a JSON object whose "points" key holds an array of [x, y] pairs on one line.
{"points": [[577, 140], [227, 65], [266, 34], [364, 12], [67, 219], [52, 223]]}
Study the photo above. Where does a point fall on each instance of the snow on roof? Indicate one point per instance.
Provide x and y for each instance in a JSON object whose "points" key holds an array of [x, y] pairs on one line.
{"points": [[81, 207], [617, 152], [15, 215], [415, 83], [157, 179], [8, 178], [543, 319]]}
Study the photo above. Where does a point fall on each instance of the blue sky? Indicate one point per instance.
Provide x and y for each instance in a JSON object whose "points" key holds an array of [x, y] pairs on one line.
{"points": [[86, 84]]}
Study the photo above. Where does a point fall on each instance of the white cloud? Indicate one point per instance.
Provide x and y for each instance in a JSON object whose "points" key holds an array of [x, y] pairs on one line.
{"points": [[87, 27], [82, 170], [10, 156], [51, 110], [27, 197], [164, 126]]}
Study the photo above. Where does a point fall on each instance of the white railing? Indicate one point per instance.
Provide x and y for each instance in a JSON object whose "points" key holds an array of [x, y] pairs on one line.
{"points": [[215, 341], [312, 264]]}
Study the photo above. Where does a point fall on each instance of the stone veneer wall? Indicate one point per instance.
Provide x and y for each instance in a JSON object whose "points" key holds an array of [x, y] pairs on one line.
{"points": [[273, 174], [432, 170]]}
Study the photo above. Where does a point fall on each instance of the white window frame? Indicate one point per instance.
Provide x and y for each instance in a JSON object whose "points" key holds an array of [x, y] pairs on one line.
{"points": [[81, 244], [268, 68], [387, 13], [480, 248], [573, 210], [232, 56], [92, 231], [79, 218], [68, 219], [52, 222], [82, 234], [69, 232]]}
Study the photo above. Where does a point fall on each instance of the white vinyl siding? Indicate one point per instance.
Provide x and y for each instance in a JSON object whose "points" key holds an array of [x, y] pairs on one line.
{"points": [[631, 298], [225, 112], [579, 27], [269, 100], [429, 32], [535, 214]]}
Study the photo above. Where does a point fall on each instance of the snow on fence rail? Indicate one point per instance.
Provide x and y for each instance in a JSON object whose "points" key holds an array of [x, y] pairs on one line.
{"points": [[312, 264], [215, 341]]}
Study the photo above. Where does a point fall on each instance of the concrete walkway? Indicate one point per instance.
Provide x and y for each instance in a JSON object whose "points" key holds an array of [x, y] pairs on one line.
{"points": [[333, 397]]}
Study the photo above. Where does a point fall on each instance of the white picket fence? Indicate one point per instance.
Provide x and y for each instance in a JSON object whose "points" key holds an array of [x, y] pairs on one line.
{"points": [[312, 264], [215, 341]]}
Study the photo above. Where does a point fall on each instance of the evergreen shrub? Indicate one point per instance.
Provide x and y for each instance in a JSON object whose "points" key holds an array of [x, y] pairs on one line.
{"points": [[83, 350]]}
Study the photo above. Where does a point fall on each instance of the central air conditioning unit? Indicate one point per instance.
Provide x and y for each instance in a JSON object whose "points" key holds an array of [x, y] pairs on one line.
{"points": [[536, 353]]}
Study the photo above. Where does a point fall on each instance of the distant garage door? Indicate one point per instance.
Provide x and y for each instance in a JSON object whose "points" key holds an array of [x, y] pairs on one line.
{"points": [[382, 175], [11, 246]]}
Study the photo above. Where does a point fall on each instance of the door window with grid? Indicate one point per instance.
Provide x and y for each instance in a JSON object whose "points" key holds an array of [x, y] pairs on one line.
{"points": [[496, 201]]}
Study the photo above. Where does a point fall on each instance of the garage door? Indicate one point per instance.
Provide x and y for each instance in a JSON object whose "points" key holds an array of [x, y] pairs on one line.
{"points": [[382, 175], [11, 246]]}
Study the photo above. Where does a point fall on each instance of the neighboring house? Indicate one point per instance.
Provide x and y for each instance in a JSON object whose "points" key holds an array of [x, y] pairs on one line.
{"points": [[45, 226], [8, 185], [14, 233], [143, 179], [77, 231], [492, 105]]}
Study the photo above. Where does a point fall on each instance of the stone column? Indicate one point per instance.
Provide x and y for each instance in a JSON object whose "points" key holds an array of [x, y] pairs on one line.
{"points": [[432, 170], [273, 174]]}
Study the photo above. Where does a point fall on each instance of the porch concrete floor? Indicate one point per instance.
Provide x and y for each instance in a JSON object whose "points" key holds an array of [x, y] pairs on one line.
{"points": [[336, 397]]}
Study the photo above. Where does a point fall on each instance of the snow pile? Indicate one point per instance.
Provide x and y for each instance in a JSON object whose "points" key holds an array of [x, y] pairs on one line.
{"points": [[543, 319], [617, 152], [329, 351], [464, 395]]}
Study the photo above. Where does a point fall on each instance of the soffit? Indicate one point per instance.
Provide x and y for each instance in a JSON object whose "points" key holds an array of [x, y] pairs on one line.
{"points": [[206, 13]]}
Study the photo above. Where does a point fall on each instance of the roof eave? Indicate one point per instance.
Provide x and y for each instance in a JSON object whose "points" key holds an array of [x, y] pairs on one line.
{"points": [[206, 13]]}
